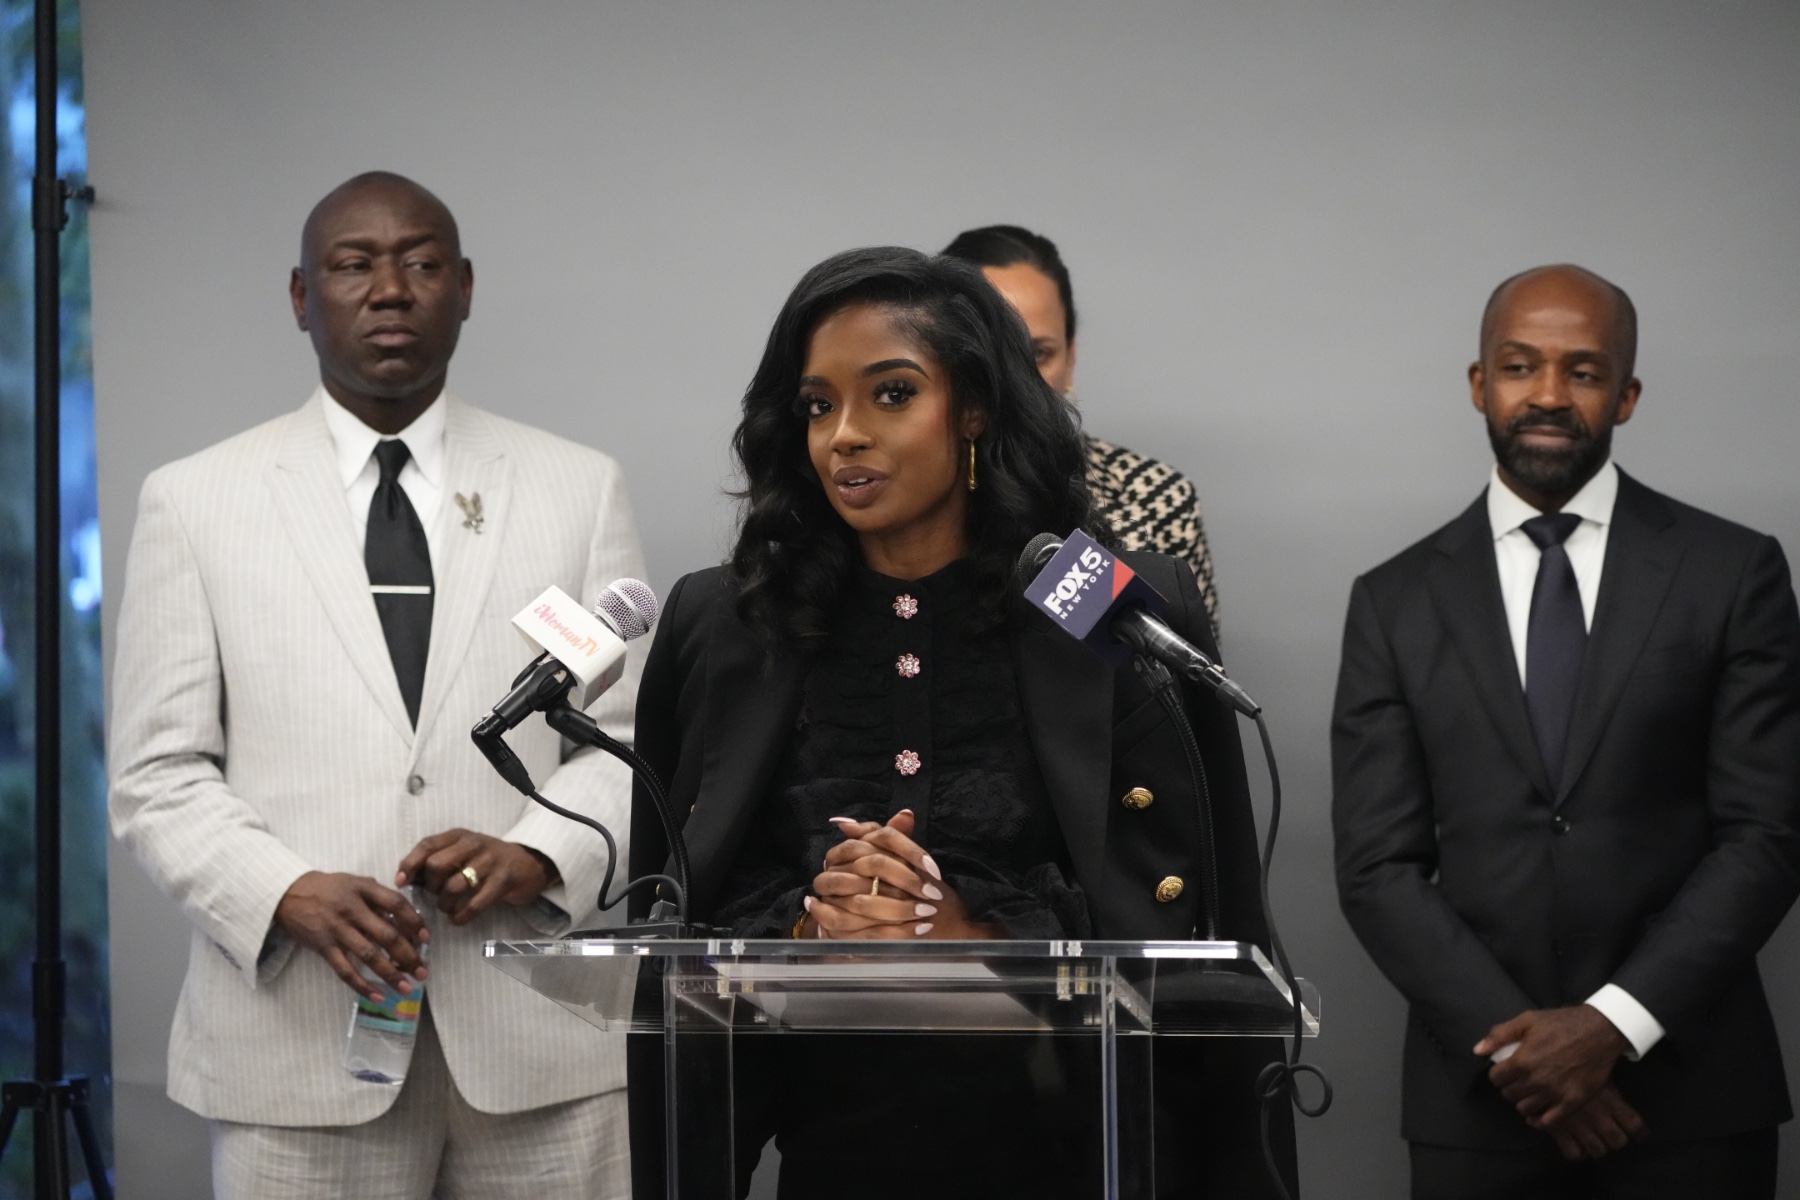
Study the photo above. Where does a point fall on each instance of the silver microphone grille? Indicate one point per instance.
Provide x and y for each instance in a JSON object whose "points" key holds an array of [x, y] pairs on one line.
{"points": [[629, 606]]}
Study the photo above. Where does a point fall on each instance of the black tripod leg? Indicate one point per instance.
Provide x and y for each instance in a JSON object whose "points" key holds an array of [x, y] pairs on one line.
{"points": [[88, 1140], [9, 1112]]}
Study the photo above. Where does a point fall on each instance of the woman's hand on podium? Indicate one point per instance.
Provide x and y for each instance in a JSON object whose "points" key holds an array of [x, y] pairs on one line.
{"points": [[879, 883]]}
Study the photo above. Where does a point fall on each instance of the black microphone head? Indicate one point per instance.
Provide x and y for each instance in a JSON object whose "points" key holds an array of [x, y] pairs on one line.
{"points": [[1038, 551], [629, 606]]}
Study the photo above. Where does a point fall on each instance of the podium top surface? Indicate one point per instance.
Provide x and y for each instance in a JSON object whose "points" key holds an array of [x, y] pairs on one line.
{"points": [[786, 949], [753, 985]]}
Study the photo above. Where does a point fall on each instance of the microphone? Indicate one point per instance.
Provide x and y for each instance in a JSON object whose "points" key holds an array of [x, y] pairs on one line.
{"points": [[1089, 594], [581, 654]]}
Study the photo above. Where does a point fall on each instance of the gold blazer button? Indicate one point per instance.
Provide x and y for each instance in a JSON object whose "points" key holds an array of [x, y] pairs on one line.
{"points": [[1169, 888], [1138, 798]]}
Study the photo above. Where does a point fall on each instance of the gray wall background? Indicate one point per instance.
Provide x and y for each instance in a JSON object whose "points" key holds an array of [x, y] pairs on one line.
{"points": [[1282, 220]]}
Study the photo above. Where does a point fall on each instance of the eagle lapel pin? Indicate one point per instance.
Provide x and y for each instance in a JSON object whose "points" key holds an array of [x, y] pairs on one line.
{"points": [[471, 509]]}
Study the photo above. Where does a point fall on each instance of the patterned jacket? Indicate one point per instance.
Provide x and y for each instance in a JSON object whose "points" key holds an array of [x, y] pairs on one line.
{"points": [[1152, 506]]}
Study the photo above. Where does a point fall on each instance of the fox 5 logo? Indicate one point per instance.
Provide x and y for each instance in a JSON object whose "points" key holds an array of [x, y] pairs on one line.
{"points": [[1075, 581]]}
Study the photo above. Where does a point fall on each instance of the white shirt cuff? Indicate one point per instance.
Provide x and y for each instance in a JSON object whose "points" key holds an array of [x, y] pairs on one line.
{"points": [[1629, 1017]]}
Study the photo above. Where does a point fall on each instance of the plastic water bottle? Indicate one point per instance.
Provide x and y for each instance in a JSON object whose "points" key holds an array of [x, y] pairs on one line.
{"points": [[382, 1032]]}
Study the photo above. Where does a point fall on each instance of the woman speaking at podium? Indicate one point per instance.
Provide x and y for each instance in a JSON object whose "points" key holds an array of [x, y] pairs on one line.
{"points": [[878, 737]]}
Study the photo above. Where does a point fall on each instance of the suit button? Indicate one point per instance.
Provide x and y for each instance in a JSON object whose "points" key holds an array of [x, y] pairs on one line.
{"points": [[1138, 798], [1560, 824], [415, 784], [1169, 888]]}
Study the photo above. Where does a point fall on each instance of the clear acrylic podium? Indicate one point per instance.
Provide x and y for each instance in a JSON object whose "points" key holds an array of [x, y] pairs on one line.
{"points": [[702, 994]]}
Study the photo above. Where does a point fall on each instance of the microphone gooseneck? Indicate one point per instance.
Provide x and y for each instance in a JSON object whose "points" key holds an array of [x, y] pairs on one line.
{"points": [[1150, 637]]}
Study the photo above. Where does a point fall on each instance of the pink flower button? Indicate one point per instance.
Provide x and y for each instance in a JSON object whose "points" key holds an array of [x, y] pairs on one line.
{"points": [[905, 607], [908, 665], [907, 762]]}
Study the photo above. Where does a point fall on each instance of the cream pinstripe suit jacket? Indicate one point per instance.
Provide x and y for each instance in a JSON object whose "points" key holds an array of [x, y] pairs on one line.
{"points": [[258, 732]]}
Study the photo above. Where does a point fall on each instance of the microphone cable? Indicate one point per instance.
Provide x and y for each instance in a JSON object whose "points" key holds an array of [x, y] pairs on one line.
{"points": [[1281, 1078], [578, 727], [612, 858]]}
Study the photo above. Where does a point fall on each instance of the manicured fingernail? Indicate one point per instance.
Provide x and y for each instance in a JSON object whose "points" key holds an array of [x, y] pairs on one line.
{"points": [[931, 892], [841, 820], [405, 988], [808, 902], [924, 910], [904, 812], [921, 929], [931, 865]]}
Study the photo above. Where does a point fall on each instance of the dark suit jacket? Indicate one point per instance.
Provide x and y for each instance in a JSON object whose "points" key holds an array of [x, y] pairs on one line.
{"points": [[1662, 864], [716, 708]]}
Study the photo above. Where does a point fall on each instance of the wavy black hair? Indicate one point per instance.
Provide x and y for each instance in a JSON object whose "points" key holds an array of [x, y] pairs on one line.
{"points": [[794, 555]]}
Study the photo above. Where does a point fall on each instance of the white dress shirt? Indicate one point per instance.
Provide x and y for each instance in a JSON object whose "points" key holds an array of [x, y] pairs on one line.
{"points": [[422, 478], [1517, 557]]}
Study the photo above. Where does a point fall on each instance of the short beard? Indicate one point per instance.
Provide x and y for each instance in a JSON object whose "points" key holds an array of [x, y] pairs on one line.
{"points": [[1555, 472]]}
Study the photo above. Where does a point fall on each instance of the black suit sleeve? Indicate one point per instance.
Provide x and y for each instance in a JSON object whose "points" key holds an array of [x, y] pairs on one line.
{"points": [[1386, 838], [1739, 891]]}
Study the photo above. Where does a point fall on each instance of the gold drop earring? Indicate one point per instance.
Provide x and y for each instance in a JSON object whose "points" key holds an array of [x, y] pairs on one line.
{"points": [[971, 464]]}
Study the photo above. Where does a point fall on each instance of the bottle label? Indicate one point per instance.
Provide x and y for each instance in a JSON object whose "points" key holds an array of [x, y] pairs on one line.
{"points": [[393, 1013]]}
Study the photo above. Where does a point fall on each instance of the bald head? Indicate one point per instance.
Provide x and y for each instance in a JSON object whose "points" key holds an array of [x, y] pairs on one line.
{"points": [[382, 289], [375, 188], [1554, 379], [1565, 284]]}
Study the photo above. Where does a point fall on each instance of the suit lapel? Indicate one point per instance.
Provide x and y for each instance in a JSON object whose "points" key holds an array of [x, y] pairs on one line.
{"points": [[309, 496], [1640, 564], [475, 463], [1066, 693], [1465, 586], [751, 699]]}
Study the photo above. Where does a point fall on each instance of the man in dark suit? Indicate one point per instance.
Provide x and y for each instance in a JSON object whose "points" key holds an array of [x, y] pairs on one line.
{"points": [[1566, 758]]}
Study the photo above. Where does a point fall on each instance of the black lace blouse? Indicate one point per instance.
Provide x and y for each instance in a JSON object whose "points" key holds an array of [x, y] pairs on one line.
{"points": [[912, 704]]}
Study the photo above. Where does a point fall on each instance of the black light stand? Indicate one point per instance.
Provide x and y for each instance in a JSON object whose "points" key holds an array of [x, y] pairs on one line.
{"points": [[54, 1100]]}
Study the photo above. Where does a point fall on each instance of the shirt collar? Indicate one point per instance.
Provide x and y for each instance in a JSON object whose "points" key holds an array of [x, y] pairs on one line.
{"points": [[1594, 502], [355, 442]]}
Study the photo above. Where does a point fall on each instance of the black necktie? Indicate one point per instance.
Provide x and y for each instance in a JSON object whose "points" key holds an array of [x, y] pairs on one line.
{"points": [[399, 563], [1555, 642]]}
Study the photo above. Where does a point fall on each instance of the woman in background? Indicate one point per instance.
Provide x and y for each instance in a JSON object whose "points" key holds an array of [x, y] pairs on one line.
{"points": [[1149, 504], [876, 737]]}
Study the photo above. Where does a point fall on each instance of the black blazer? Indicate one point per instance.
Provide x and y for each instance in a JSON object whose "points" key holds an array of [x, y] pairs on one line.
{"points": [[716, 708], [1662, 864]]}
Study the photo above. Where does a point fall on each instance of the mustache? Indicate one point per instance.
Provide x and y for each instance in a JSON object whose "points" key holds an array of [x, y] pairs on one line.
{"points": [[1563, 419]]}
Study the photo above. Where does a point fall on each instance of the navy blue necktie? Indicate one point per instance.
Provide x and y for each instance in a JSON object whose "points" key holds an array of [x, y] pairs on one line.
{"points": [[399, 563], [1555, 642]]}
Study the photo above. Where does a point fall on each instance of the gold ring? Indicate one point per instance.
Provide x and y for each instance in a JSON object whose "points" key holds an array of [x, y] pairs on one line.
{"points": [[469, 874], [875, 887]]}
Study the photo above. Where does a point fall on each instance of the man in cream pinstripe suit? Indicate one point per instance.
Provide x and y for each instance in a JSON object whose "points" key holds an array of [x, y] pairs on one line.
{"points": [[282, 761]]}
